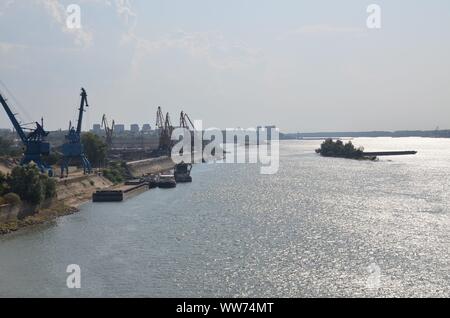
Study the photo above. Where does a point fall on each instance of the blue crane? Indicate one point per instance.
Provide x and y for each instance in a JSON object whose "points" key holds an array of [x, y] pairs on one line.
{"points": [[73, 148], [34, 142]]}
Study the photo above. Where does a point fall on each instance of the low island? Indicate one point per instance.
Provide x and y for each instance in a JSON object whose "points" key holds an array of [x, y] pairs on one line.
{"points": [[339, 149]]}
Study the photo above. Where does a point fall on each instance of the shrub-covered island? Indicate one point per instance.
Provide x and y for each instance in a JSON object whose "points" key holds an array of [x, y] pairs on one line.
{"points": [[330, 148]]}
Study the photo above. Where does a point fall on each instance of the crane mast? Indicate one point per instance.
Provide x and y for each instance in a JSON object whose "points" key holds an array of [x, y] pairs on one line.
{"points": [[165, 128], [109, 130], [159, 118], [83, 103], [73, 148]]}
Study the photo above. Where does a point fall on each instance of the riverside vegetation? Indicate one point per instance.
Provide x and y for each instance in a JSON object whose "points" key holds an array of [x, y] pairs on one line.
{"points": [[330, 148], [29, 191]]}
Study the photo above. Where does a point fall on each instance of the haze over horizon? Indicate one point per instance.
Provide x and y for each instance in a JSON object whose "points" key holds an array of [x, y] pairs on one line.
{"points": [[302, 65]]}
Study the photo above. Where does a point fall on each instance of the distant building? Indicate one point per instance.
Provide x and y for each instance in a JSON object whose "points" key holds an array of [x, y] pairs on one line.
{"points": [[146, 128], [134, 128], [96, 128], [119, 128]]}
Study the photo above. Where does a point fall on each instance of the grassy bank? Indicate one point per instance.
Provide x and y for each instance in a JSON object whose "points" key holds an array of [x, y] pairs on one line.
{"points": [[78, 189], [55, 210]]}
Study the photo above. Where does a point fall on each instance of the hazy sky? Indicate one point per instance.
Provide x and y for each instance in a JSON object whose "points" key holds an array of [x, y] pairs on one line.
{"points": [[302, 65]]}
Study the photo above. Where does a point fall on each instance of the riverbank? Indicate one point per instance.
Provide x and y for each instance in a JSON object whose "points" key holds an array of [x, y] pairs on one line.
{"points": [[57, 209], [71, 193]]}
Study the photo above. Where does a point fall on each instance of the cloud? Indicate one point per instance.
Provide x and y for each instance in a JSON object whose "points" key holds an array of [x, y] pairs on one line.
{"points": [[6, 47], [124, 10], [57, 11], [212, 47], [326, 29], [5, 5]]}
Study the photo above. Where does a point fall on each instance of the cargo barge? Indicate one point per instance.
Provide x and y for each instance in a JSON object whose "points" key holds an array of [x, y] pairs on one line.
{"points": [[120, 194]]}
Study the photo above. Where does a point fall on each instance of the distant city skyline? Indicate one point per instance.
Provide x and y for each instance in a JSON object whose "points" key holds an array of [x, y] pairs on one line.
{"points": [[304, 66]]}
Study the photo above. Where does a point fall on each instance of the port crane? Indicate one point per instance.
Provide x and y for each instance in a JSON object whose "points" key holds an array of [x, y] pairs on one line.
{"points": [[73, 148], [34, 142], [165, 128], [159, 119], [109, 130], [185, 121]]}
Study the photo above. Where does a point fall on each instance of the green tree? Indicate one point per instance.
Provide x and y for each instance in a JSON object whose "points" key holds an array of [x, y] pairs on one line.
{"points": [[49, 186], [330, 148], [26, 182], [94, 148], [52, 159], [116, 172]]}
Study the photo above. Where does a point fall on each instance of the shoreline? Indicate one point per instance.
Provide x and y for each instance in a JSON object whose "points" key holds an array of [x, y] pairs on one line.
{"points": [[56, 210], [75, 191]]}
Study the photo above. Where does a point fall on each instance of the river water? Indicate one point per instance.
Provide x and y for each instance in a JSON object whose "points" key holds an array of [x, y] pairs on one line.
{"points": [[319, 227]]}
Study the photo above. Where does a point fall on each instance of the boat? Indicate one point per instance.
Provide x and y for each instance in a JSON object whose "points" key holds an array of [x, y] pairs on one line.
{"points": [[182, 172], [153, 181], [167, 181]]}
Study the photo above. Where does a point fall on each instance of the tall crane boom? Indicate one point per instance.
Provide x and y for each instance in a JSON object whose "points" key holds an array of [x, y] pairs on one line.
{"points": [[34, 144], [13, 119], [83, 103], [185, 120]]}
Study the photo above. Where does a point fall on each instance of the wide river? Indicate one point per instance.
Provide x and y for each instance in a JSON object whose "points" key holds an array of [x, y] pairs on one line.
{"points": [[319, 227]]}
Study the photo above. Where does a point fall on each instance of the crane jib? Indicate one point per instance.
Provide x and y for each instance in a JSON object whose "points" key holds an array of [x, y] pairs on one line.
{"points": [[13, 119]]}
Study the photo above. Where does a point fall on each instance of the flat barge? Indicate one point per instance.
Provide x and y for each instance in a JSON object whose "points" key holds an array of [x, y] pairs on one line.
{"points": [[119, 194], [389, 153]]}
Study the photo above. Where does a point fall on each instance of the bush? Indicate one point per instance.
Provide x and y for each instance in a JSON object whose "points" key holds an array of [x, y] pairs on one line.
{"points": [[52, 159], [94, 148], [12, 198], [49, 186], [116, 173], [2, 201], [330, 148], [31, 185], [26, 183]]}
